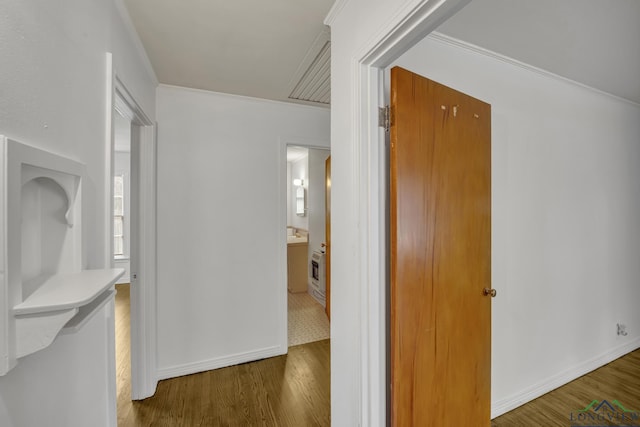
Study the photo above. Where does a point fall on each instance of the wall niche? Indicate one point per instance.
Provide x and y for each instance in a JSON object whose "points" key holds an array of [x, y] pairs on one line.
{"points": [[47, 238], [46, 290]]}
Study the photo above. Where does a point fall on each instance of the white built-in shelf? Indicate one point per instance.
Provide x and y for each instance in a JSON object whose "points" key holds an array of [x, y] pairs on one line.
{"points": [[68, 291], [86, 313]]}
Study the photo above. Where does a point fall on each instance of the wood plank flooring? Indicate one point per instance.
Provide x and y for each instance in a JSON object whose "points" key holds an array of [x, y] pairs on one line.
{"points": [[293, 390], [123, 354], [619, 380], [290, 390]]}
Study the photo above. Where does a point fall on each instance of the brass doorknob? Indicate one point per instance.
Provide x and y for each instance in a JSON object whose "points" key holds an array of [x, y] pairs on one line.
{"points": [[489, 292]]}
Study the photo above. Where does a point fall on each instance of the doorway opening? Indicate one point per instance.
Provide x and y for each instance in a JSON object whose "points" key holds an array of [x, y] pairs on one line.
{"points": [[369, 161], [122, 215], [307, 320], [132, 229], [132, 246]]}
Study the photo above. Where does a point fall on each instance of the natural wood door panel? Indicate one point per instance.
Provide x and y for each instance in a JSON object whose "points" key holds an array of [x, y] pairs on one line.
{"points": [[440, 225]]}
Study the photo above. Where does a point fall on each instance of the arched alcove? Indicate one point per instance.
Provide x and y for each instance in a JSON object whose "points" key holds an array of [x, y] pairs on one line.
{"points": [[41, 276], [45, 232]]}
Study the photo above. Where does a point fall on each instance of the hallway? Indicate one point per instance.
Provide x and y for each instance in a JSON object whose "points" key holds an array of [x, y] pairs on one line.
{"points": [[290, 390]]}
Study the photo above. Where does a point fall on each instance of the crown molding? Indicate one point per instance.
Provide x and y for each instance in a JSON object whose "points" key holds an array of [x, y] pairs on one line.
{"points": [[443, 38], [335, 11]]}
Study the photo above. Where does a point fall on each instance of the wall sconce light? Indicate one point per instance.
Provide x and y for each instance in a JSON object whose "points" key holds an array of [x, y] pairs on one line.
{"points": [[300, 202]]}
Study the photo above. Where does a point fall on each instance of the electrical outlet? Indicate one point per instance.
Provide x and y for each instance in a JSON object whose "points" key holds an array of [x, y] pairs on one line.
{"points": [[622, 329]]}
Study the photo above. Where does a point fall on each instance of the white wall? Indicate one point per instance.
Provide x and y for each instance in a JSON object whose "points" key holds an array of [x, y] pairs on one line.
{"points": [[316, 202], [53, 85], [360, 26], [300, 170], [221, 218], [565, 234], [64, 384]]}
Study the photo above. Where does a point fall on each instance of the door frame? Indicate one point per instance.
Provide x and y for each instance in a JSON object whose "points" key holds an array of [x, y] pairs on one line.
{"points": [[403, 31], [283, 143], [143, 295]]}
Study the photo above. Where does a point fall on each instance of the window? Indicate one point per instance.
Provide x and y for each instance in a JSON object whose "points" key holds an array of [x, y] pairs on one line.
{"points": [[118, 215]]}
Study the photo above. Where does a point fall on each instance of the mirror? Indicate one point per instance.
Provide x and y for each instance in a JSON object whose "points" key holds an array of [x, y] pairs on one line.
{"points": [[300, 211]]}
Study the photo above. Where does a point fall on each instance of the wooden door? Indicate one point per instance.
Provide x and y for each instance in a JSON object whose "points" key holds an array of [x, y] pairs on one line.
{"points": [[440, 230], [327, 204]]}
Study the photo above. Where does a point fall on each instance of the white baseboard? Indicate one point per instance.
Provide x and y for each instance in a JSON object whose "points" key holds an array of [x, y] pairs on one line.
{"points": [[219, 362], [509, 403]]}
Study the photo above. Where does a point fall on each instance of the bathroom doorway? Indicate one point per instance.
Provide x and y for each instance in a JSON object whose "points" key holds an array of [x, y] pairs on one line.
{"points": [[306, 257]]}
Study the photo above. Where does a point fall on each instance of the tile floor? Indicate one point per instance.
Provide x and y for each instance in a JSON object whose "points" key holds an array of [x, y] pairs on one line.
{"points": [[307, 319]]}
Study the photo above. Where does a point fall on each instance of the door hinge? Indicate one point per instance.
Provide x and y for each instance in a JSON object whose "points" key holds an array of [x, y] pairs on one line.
{"points": [[383, 118]]}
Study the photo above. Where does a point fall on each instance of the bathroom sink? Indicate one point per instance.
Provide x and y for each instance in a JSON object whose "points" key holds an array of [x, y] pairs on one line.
{"points": [[296, 239]]}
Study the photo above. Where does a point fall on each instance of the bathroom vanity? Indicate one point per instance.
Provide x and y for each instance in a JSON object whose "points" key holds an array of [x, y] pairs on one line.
{"points": [[297, 257]]}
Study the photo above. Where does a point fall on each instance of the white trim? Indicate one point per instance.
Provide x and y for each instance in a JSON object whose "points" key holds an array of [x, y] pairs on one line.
{"points": [[137, 43], [411, 24], [542, 387], [218, 362], [290, 103], [282, 271], [127, 105], [109, 159], [112, 418], [451, 41], [283, 142], [143, 293], [335, 11], [112, 411], [373, 193]]}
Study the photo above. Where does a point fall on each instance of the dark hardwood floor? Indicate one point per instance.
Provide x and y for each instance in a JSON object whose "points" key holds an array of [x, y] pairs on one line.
{"points": [[290, 390], [123, 354], [293, 390], [619, 380]]}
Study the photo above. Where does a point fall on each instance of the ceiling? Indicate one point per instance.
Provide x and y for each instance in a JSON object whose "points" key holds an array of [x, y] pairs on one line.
{"points": [[264, 48], [594, 42], [246, 47], [296, 153]]}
